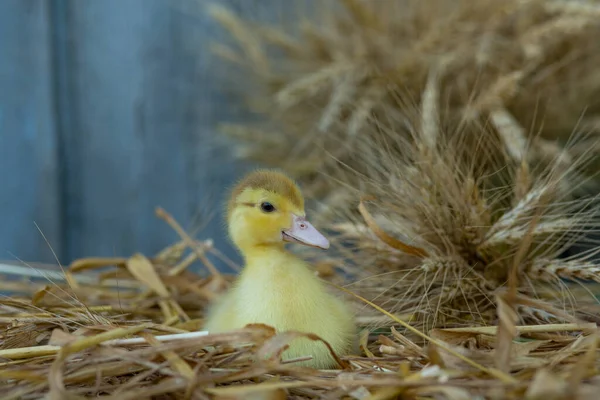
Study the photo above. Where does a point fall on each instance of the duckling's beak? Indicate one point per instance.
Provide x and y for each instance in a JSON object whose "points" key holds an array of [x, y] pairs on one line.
{"points": [[304, 233]]}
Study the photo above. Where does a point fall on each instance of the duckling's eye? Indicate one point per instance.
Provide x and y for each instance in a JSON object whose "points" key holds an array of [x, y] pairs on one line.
{"points": [[267, 207]]}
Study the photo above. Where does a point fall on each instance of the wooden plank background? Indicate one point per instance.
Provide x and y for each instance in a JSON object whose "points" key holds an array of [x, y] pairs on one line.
{"points": [[29, 165], [107, 110]]}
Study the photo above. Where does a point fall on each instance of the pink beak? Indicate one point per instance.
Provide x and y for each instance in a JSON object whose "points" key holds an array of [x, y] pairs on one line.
{"points": [[304, 233]]}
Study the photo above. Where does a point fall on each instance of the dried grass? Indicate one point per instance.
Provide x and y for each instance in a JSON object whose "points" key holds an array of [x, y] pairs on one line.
{"points": [[133, 331], [363, 64]]}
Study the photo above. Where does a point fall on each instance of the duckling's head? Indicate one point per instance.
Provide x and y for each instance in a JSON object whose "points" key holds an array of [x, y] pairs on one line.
{"points": [[266, 209]]}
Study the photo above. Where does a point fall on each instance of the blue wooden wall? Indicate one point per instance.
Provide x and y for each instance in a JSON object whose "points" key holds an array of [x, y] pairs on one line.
{"points": [[107, 110]]}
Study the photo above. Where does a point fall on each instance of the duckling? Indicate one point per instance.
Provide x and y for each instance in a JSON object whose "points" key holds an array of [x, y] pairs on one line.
{"points": [[275, 287]]}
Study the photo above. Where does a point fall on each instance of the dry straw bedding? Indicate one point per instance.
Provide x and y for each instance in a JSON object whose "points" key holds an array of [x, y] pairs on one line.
{"points": [[73, 339]]}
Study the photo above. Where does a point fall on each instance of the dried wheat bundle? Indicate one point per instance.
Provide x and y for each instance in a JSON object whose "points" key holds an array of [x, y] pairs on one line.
{"points": [[316, 95], [445, 220]]}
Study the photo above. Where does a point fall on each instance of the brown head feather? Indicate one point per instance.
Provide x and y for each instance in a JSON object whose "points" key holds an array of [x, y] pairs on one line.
{"points": [[272, 181]]}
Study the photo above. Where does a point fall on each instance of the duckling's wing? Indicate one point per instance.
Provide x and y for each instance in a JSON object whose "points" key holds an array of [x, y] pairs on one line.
{"points": [[221, 316]]}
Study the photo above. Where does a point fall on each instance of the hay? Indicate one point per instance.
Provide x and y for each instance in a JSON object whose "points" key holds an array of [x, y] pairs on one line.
{"points": [[134, 331], [363, 64]]}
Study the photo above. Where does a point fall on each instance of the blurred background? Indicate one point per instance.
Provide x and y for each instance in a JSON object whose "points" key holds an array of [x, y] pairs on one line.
{"points": [[107, 110]]}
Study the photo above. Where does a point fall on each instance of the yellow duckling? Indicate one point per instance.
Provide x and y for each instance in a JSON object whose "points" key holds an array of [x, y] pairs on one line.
{"points": [[277, 288]]}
